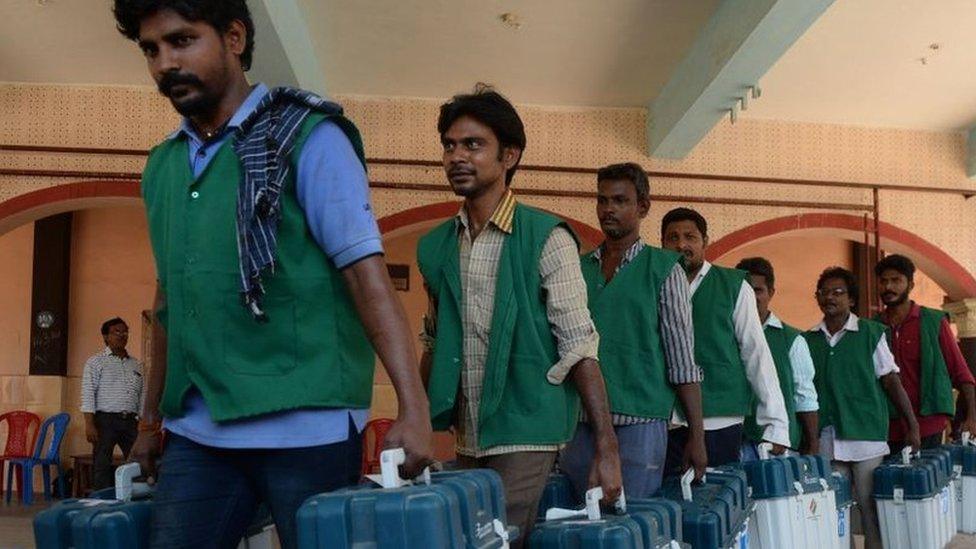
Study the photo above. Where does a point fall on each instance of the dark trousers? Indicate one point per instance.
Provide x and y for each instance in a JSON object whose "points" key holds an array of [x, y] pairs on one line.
{"points": [[206, 497], [929, 442], [722, 446], [113, 430]]}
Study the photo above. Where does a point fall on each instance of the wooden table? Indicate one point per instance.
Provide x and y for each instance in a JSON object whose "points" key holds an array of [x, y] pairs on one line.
{"points": [[83, 464]]}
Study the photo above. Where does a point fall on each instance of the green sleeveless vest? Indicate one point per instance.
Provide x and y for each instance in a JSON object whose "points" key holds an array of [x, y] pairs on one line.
{"points": [[935, 386], [518, 404], [851, 397], [312, 353], [780, 342], [625, 312], [725, 389]]}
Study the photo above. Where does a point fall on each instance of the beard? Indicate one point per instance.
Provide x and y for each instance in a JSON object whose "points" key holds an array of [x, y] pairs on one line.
{"points": [[188, 103], [898, 300]]}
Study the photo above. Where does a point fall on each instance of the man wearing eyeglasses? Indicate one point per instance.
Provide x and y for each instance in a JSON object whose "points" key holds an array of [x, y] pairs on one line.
{"points": [[855, 372]]}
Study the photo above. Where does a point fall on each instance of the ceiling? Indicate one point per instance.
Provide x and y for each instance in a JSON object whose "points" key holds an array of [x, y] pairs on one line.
{"points": [[859, 64], [565, 52]]}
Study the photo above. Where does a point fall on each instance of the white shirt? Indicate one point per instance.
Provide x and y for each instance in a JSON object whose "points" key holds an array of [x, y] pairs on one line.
{"points": [[760, 368], [884, 364], [804, 392]]}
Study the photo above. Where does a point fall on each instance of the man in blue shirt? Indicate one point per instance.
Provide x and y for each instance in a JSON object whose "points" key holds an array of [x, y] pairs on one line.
{"points": [[214, 472]]}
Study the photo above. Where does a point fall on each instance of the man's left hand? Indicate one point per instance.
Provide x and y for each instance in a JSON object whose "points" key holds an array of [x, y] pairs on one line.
{"points": [[968, 426], [415, 436], [777, 449], [913, 438], [605, 471]]}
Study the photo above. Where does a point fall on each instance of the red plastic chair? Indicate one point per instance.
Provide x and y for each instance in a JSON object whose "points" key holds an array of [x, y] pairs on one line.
{"points": [[20, 440], [373, 436]]}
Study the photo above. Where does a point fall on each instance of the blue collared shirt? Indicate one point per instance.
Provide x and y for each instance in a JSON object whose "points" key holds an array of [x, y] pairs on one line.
{"points": [[333, 190]]}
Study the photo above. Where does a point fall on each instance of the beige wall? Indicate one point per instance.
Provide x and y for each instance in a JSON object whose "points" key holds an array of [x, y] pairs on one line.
{"points": [[796, 272], [111, 275], [16, 251], [399, 128]]}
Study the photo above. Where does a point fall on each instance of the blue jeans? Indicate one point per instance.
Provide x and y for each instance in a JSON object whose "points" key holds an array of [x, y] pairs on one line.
{"points": [[207, 497], [642, 451], [749, 452]]}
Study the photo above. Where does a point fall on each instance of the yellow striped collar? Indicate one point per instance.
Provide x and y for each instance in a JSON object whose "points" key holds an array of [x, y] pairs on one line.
{"points": [[503, 216]]}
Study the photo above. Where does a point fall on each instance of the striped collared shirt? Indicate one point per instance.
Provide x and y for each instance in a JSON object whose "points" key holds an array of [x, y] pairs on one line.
{"points": [[112, 384], [677, 329], [562, 281]]}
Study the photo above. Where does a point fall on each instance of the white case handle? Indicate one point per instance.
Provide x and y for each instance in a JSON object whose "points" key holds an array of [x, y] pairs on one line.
{"points": [[966, 437], [686, 480], [764, 449], [906, 455], [390, 462], [592, 509], [125, 489]]}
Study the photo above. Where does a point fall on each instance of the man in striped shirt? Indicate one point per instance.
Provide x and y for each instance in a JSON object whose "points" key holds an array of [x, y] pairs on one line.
{"points": [[641, 305], [111, 395]]}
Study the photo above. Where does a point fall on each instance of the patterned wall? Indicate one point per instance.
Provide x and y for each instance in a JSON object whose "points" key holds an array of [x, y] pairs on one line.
{"points": [[137, 118]]}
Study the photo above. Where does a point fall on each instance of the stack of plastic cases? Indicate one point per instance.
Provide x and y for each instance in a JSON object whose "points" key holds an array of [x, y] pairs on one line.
{"points": [[946, 479], [795, 505], [817, 501], [558, 492], [481, 496], [714, 518], [102, 523], [668, 516], [457, 510], [627, 531], [964, 470], [735, 478], [910, 504], [841, 485]]}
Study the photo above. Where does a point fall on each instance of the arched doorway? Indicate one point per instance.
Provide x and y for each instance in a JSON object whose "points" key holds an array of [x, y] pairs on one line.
{"points": [[946, 271]]}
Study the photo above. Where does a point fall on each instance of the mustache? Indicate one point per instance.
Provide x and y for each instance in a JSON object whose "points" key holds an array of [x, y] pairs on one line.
{"points": [[172, 79]]}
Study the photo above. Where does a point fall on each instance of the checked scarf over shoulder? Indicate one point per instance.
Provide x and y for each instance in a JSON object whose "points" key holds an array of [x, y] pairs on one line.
{"points": [[262, 143]]}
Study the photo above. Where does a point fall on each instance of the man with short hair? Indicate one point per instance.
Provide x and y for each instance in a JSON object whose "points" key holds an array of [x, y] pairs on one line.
{"points": [[640, 304], [856, 376], [793, 366], [111, 397], [272, 290], [730, 348], [510, 347], [929, 361]]}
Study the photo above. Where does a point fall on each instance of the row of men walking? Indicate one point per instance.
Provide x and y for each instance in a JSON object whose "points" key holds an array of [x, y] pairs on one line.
{"points": [[273, 296]]}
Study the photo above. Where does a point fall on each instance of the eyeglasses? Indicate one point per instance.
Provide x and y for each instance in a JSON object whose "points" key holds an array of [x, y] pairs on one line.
{"points": [[827, 292]]}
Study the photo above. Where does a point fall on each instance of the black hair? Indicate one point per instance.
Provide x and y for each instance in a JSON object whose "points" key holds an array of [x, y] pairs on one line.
{"points": [[759, 266], [219, 14], [898, 263], [491, 109], [107, 325], [848, 277], [684, 214], [628, 171]]}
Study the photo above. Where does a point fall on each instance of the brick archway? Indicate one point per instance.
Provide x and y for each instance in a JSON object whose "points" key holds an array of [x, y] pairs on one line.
{"points": [[431, 213], [41, 203], [940, 266]]}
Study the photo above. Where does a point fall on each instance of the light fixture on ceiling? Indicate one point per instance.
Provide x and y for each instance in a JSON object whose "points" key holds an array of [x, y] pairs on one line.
{"points": [[742, 103], [511, 19]]}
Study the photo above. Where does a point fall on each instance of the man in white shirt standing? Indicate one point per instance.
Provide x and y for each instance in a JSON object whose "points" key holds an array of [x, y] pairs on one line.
{"points": [[793, 365], [855, 372], [111, 396], [729, 347]]}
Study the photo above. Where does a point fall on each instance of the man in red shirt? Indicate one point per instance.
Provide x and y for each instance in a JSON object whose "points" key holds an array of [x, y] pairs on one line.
{"points": [[926, 351]]}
